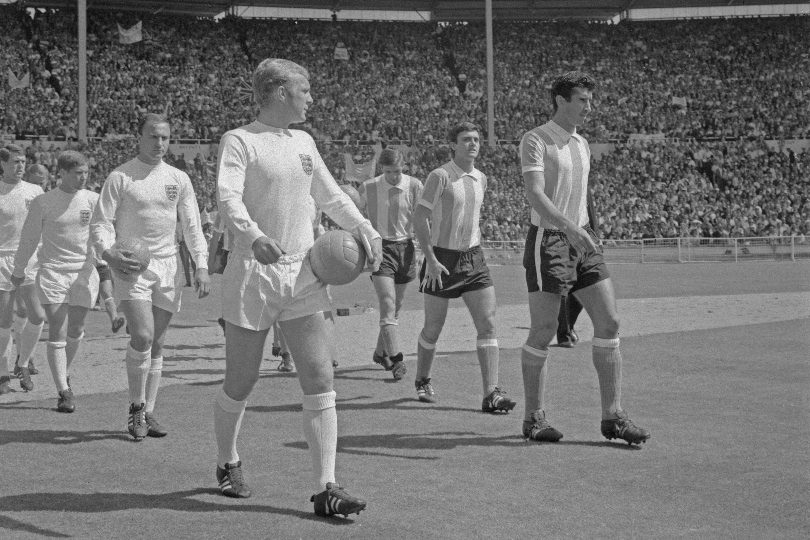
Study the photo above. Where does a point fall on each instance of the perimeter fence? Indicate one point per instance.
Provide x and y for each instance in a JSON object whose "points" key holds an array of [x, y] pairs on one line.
{"points": [[676, 250]]}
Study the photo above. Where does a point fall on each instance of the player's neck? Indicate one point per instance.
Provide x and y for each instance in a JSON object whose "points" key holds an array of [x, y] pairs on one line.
{"points": [[67, 189], [275, 119], [149, 160], [465, 164], [11, 181], [563, 123]]}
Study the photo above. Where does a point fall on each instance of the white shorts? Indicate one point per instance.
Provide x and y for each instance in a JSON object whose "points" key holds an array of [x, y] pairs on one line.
{"points": [[159, 284], [7, 267], [255, 296], [78, 288]]}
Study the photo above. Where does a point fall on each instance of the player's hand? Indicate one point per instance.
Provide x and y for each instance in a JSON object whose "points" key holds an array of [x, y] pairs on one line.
{"points": [[266, 250], [580, 240], [121, 261], [374, 249], [202, 282], [433, 274], [17, 281]]}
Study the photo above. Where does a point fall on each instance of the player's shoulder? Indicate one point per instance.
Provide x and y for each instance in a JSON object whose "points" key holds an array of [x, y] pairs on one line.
{"points": [[442, 172], [302, 135], [541, 134], [178, 174], [31, 189], [90, 196]]}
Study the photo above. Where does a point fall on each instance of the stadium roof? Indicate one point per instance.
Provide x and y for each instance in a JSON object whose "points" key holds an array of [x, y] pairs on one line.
{"points": [[443, 10]]}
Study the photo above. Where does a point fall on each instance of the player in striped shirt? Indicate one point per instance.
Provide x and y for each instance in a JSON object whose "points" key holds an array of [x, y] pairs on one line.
{"points": [[563, 256], [446, 225], [390, 202], [15, 199], [67, 282], [141, 200]]}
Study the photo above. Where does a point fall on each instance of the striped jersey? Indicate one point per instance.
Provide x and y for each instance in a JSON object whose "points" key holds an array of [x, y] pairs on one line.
{"points": [[62, 221], [390, 208], [455, 198], [15, 200], [565, 161]]}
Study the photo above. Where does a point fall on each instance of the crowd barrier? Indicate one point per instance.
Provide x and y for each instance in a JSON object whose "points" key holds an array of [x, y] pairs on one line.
{"points": [[676, 250]]}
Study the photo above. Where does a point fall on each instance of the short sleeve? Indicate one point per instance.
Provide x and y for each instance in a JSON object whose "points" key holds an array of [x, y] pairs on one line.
{"points": [[532, 152], [434, 186]]}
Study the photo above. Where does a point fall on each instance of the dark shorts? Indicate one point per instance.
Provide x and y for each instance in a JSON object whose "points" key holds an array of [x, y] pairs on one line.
{"points": [[104, 273], [553, 266], [399, 261], [468, 272]]}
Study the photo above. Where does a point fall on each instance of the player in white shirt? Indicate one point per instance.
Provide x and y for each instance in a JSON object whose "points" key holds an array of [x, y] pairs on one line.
{"points": [[67, 282], [15, 199], [141, 200], [267, 174]]}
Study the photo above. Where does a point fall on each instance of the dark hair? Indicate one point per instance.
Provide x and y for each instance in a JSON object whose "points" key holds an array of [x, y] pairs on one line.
{"points": [[564, 85], [461, 127], [390, 158], [7, 150], [151, 118], [70, 159]]}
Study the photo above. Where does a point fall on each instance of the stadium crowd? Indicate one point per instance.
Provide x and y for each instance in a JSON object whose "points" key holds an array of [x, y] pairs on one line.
{"points": [[715, 99]]}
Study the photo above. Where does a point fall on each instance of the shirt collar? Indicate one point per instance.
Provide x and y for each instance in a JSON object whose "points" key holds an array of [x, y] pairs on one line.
{"points": [[475, 174], [399, 185], [561, 133]]}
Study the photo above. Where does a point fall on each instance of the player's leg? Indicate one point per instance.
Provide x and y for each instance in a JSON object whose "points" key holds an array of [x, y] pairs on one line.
{"points": [[33, 328], [276, 351], [599, 301], [20, 320], [76, 318], [309, 338], [161, 318], [435, 315], [6, 321], [482, 306], [574, 308], [105, 291], [138, 360], [563, 326], [287, 365], [243, 356], [392, 357], [57, 315]]}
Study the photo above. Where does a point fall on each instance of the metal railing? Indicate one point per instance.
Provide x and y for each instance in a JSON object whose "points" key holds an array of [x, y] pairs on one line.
{"points": [[676, 250]]}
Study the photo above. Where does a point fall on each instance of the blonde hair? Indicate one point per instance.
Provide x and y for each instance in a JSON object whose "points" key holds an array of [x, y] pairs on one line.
{"points": [[272, 73]]}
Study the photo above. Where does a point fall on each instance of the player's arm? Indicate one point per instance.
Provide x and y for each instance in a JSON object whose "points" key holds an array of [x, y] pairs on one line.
{"points": [[29, 241], [339, 206], [434, 186], [230, 189], [532, 151], [192, 232], [102, 228]]}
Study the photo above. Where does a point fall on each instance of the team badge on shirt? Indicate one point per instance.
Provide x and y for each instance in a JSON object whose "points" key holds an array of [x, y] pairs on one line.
{"points": [[84, 217], [306, 163], [171, 191]]}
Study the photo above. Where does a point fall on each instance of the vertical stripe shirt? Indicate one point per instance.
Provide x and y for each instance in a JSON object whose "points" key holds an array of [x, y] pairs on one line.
{"points": [[564, 160], [390, 207], [455, 198]]}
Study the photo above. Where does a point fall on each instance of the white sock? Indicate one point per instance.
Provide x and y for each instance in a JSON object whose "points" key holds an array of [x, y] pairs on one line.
{"points": [[5, 351], [57, 360], [320, 430], [153, 382], [30, 336], [607, 359], [72, 348], [17, 327], [535, 370], [137, 369], [228, 415], [488, 359]]}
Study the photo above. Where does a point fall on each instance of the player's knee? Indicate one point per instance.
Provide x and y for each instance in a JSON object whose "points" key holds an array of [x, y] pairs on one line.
{"points": [[431, 333], [141, 339], [608, 327]]}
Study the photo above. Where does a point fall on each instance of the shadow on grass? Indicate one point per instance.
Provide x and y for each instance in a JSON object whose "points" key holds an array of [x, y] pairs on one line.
{"points": [[187, 325], [181, 501], [187, 347], [346, 405], [14, 525], [49, 436], [376, 445], [182, 374]]}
